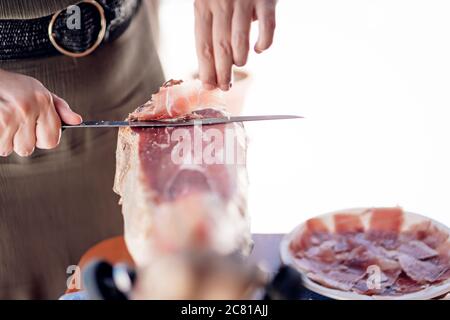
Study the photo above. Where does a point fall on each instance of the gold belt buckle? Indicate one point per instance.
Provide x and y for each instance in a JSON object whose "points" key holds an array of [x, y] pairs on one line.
{"points": [[97, 43]]}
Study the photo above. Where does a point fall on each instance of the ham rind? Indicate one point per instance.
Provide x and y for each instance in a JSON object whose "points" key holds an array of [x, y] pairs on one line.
{"points": [[176, 198], [348, 223]]}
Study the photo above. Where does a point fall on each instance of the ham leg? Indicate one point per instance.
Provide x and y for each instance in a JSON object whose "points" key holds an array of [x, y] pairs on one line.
{"points": [[183, 188]]}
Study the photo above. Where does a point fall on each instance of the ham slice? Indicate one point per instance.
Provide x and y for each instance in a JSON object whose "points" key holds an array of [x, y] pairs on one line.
{"points": [[347, 223], [386, 220], [179, 189], [405, 285], [342, 280], [314, 234], [177, 99], [417, 249], [385, 224], [316, 225], [428, 233], [421, 271]]}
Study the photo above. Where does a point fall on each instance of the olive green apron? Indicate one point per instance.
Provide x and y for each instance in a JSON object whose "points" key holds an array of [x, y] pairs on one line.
{"points": [[55, 204]]}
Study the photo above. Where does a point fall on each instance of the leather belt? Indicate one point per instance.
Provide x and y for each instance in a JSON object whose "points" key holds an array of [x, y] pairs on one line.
{"points": [[75, 31]]}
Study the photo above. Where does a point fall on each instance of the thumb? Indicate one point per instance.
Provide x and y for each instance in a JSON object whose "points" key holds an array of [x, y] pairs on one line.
{"points": [[65, 113]]}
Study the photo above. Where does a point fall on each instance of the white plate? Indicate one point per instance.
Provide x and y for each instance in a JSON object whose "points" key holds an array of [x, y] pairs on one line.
{"points": [[409, 219]]}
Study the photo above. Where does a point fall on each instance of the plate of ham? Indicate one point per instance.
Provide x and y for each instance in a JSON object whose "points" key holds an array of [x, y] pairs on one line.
{"points": [[371, 253]]}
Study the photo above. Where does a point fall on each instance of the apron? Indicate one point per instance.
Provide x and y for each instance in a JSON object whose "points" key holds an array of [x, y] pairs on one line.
{"points": [[56, 204]]}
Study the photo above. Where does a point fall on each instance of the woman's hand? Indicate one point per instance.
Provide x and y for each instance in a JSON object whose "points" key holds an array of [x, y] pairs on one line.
{"points": [[222, 30], [30, 115]]}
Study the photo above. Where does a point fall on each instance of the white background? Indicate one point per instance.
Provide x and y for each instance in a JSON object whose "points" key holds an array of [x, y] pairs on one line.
{"points": [[372, 79]]}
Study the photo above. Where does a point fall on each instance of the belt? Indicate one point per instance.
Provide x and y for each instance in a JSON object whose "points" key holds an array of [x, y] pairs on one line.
{"points": [[76, 31]]}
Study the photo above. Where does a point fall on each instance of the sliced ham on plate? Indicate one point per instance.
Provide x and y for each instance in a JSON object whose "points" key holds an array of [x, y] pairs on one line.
{"points": [[372, 252], [417, 249], [421, 271]]}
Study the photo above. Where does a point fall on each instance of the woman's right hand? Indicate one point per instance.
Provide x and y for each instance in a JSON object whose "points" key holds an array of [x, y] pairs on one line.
{"points": [[30, 115]]}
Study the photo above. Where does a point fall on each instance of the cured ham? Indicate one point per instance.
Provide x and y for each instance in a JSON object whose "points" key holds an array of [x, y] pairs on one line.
{"points": [[344, 223], [427, 233], [177, 99], [386, 220], [421, 271], [372, 253], [197, 276], [180, 189], [417, 249]]}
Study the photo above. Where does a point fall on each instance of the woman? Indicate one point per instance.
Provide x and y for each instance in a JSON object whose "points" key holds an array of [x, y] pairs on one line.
{"points": [[95, 60]]}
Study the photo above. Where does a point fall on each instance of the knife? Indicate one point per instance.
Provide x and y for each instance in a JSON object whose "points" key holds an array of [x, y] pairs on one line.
{"points": [[177, 123]]}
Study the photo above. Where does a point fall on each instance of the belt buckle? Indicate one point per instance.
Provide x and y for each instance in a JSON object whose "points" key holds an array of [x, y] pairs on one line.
{"points": [[100, 38]]}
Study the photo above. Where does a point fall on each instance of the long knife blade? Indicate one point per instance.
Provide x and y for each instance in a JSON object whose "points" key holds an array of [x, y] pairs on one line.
{"points": [[177, 123]]}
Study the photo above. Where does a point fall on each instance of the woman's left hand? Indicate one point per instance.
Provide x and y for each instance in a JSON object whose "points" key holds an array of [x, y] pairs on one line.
{"points": [[222, 31]]}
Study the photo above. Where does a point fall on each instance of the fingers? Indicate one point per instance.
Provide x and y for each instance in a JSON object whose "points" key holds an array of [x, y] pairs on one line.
{"points": [[48, 130], [28, 125], [265, 13], [223, 52], [25, 139], [30, 115], [222, 30], [7, 130], [6, 140], [65, 113], [241, 23], [204, 45]]}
